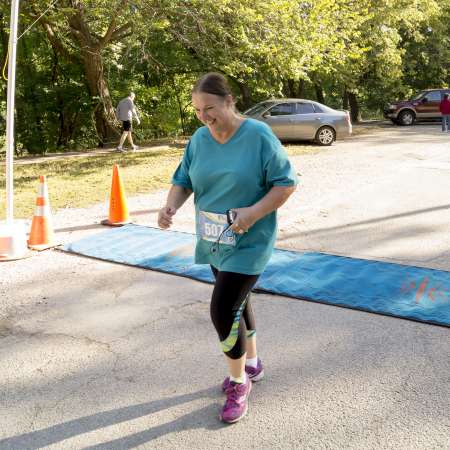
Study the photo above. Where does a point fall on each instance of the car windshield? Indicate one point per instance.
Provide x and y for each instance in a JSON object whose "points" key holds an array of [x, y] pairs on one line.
{"points": [[257, 109], [417, 96]]}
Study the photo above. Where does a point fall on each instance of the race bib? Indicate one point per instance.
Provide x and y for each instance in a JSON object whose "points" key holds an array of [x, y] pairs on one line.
{"points": [[212, 226]]}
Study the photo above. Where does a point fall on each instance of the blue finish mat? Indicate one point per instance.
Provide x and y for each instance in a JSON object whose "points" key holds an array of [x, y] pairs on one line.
{"points": [[392, 289]]}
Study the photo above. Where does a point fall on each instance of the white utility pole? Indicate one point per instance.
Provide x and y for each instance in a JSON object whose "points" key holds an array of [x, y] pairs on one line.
{"points": [[10, 112], [13, 240]]}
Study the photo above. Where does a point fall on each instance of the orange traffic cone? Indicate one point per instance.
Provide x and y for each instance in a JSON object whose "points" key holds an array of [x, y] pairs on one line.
{"points": [[118, 209], [41, 234]]}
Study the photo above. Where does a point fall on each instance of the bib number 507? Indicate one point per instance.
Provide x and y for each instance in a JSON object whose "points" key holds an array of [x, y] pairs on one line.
{"points": [[213, 230]]}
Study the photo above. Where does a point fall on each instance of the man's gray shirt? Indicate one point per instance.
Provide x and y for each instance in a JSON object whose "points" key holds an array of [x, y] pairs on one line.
{"points": [[126, 110]]}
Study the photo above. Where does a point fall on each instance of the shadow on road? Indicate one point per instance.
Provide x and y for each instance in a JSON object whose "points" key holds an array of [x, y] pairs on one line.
{"points": [[203, 418]]}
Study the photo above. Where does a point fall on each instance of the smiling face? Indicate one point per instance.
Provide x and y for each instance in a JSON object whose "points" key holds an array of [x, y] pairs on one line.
{"points": [[214, 111]]}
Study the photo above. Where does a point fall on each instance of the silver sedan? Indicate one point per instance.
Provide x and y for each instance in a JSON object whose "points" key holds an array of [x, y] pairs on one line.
{"points": [[296, 119]]}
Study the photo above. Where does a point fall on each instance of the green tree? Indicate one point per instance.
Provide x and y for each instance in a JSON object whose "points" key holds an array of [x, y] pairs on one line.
{"points": [[80, 32]]}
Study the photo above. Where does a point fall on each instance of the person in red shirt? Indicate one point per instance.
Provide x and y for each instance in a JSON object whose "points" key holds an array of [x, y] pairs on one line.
{"points": [[444, 107]]}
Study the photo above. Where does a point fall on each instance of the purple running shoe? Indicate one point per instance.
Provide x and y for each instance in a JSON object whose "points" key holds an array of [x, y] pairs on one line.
{"points": [[236, 405], [254, 373]]}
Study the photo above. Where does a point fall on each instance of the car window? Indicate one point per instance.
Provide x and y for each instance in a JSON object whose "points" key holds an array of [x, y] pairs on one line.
{"points": [[283, 109], [304, 108], [317, 108], [434, 96], [257, 109], [417, 96]]}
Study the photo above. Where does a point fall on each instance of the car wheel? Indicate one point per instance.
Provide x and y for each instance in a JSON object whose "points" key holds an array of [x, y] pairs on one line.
{"points": [[406, 117], [325, 136]]}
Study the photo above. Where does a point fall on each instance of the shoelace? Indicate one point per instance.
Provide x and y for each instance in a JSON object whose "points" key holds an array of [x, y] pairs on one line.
{"points": [[233, 395]]}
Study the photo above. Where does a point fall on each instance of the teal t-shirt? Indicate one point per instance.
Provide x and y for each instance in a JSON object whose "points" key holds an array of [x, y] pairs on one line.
{"points": [[236, 174]]}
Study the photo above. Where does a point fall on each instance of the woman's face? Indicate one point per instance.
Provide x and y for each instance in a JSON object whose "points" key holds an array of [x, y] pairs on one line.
{"points": [[214, 111]]}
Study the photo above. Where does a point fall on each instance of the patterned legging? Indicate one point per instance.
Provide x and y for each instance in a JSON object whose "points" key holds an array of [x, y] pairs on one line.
{"points": [[231, 312]]}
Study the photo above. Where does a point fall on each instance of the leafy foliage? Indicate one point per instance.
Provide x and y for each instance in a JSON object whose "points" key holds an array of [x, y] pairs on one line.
{"points": [[83, 56]]}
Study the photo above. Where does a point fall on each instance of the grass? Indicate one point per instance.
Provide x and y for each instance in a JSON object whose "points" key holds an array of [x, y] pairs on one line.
{"points": [[83, 181], [79, 182]]}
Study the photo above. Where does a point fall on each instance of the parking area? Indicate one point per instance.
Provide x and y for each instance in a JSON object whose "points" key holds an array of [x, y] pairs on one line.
{"points": [[381, 195], [105, 356]]}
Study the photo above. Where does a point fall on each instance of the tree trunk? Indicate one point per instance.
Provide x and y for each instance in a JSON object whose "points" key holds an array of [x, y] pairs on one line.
{"points": [[301, 88], [345, 99], [355, 113], [66, 127], [289, 88], [67, 123], [104, 112], [181, 109], [33, 143], [246, 97], [319, 93], [294, 89]]}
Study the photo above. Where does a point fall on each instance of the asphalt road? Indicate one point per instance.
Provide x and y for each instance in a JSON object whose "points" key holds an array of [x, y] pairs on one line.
{"points": [[96, 355]]}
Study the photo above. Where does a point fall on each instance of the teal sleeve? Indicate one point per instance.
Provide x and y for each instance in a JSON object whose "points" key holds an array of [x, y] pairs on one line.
{"points": [[181, 176], [278, 169]]}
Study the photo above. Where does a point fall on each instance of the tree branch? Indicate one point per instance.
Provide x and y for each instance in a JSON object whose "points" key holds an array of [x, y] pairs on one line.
{"points": [[112, 25], [79, 28], [56, 43], [123, 31]]}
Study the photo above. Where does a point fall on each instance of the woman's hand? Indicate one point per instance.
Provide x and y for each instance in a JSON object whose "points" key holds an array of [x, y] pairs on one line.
{"points": [[165, 215], [244, 219]]}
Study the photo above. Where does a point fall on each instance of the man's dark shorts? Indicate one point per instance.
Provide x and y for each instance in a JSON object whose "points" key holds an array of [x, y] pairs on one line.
{"points": [[126, 125]]}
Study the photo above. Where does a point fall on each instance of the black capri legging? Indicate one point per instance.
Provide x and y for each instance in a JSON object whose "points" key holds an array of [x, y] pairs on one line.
{"points": [[231, 312]]}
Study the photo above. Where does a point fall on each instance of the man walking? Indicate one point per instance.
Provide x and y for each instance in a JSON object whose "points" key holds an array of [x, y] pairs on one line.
{"points": [[125, 112]]}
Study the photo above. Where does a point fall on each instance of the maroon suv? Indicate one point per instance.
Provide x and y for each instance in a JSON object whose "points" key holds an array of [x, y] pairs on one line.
{"points": [[424, 105]]}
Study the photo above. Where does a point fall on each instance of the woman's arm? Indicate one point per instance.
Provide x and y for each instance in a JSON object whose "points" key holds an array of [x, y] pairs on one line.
{"points": [[246, 217], [175, 199]]}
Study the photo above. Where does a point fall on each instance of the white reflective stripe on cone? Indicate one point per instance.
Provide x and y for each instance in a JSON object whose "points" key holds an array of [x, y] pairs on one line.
{"points": [[43, 190], [42, 211]]}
